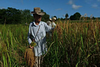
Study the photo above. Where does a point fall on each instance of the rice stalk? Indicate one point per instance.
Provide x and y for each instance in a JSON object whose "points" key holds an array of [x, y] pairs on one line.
{"points": [[11, 39], [82, 43], [48, 49], [1, 63], [9, 60], [7, 43], [67, 25], [4, 61]]}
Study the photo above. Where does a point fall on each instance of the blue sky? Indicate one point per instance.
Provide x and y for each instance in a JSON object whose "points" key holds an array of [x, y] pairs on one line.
{"points": [[57, 7]]}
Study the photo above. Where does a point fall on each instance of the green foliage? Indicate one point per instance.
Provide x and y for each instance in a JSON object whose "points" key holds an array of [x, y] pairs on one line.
{"points": [[13, 16], [16, 16], [74, 46], [45, 17], [66, 16], [3, 16], [76, 16], [77, 48], [13, 44], [26, 16]]}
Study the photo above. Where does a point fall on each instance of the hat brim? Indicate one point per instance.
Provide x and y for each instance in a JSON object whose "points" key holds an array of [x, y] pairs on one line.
{"points": [[38, 13]]}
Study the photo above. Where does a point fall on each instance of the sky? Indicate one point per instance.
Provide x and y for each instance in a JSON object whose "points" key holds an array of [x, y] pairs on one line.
{"points": [[56, 8]]}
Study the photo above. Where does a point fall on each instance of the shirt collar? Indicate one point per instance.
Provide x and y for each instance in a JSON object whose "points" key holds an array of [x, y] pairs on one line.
{"points": [[35, 24]]}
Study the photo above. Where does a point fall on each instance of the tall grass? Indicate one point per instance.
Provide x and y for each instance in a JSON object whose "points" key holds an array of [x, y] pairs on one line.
{"points": [[76, 44], [71, 45], [13, 42]]}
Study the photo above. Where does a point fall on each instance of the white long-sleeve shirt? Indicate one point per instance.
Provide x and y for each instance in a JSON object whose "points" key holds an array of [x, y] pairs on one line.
{"points": [[40, 37], [53, 24]]}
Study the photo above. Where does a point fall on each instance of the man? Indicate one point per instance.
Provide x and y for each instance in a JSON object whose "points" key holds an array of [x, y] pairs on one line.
{"points": [[37, 34], [53, 22], [49, 22]]}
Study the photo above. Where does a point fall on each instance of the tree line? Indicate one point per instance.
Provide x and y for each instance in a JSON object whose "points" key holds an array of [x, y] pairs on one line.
{"points": [[16, 16]]}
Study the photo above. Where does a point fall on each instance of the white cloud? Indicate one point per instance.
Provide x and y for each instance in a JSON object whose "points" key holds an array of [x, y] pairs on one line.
{"points": [[89, 1], [63, 15], [98, 0], [70, 2], [94, 5], [2, 8], [76, 6]]}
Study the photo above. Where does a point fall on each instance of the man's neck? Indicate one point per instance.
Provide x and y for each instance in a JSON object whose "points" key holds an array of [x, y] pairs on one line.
{"points": [[37, 22]]}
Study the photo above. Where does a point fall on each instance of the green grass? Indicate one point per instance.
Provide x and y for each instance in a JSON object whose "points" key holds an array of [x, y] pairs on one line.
{"points": [[74, 46]]}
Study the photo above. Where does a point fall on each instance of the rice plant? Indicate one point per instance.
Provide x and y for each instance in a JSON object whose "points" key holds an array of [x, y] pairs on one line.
{"points": [[71, 45]]}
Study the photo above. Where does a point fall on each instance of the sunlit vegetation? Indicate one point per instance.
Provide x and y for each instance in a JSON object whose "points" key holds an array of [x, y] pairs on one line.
{"points": [[71, 45]]}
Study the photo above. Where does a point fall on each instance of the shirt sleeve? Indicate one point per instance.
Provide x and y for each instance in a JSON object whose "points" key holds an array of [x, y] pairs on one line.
{"points": [[48, 28], [54, 24], [29, 32]]}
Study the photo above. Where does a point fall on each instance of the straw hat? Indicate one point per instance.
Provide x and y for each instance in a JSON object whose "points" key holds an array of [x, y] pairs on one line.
{"points": [[50, 19], [37, 11], [54, 18]]}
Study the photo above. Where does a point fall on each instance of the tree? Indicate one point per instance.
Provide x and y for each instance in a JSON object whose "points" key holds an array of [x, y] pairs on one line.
{"points": [[16, 16], [3, 16], [66, 16], [45, 17], [72, 17], [13, 16], [26, 16], [76, 16]]}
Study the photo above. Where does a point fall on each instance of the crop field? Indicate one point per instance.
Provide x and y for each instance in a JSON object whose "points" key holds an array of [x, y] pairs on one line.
{"points": [[71, 45]]}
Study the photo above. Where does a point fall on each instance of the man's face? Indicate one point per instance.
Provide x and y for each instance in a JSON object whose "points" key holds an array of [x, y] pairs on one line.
{"points": [[37, 17]]}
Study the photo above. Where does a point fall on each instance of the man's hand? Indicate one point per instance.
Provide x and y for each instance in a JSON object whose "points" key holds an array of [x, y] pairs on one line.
{"points": [[33, 40], [31, 47]]}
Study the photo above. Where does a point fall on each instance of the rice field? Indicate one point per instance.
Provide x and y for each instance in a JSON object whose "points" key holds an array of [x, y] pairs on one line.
{"points": [[71, 45]]}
